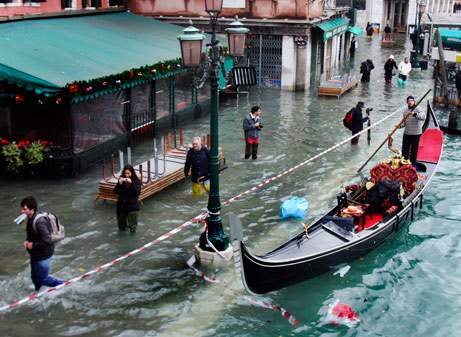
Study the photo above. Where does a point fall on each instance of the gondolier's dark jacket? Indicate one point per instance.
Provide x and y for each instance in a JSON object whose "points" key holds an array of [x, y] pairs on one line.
{"points": [[249, 127], [198, 160], [357, 120], [42, 245]]}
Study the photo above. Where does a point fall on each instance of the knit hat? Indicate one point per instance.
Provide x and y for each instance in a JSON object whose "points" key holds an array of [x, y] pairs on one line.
{"points": [[360, 104], [410, 97], [391, 57]]}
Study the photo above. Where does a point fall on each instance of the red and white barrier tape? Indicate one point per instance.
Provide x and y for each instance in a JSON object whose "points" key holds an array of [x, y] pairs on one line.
{"points": [[284, 313], [197, 218]]}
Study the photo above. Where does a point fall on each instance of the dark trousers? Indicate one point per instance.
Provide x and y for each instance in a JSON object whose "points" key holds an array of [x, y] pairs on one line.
{"points": [[365, 77], [410, 145], [251, 149], [355, 141], [130, 220]]}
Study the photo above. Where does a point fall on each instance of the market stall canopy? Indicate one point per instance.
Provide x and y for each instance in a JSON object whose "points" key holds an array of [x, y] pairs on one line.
{"points": [[450, 38], [333, 27], [46, 54], [355, 30]]}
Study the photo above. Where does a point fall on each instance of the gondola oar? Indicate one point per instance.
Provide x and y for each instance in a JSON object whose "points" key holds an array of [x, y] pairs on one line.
{"points": [[395, 129], [369, 124]]}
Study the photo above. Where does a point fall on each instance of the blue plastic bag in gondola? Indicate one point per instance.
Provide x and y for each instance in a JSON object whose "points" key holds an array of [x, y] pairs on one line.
{"points": [[294, 208]]}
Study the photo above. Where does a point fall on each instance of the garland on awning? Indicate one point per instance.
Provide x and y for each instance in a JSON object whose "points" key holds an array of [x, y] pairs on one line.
{"points": [[82, 90]]}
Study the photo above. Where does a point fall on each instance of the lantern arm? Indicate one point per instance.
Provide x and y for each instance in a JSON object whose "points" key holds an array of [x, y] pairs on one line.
{"points": [[199, 81]]}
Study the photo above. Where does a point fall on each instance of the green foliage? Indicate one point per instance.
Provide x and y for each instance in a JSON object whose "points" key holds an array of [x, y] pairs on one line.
{"points": [[34, 153], [20, 155], [13, 156]]}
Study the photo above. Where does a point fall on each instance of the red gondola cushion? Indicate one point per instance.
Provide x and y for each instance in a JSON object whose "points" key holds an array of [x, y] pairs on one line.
{"points": [[406, 173]]}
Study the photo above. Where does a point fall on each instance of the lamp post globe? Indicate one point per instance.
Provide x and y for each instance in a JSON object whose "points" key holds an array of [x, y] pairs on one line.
{"points": [[213, 7], [191, 46], [236, 35]]}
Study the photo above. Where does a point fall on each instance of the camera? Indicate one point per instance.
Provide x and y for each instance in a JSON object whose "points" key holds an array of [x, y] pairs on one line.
{"points": [[369, 109], [260, 126], [123, 180]]}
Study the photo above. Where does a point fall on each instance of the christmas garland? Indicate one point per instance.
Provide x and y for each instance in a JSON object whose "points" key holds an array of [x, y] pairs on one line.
{"points": [[114, 82]]}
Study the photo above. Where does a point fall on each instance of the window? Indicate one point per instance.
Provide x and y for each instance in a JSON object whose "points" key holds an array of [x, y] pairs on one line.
{"points": [[115, 3], [183, 91], [360, 4], [68, 4], [162, 97], [91, 3], [98, 120], [10, 3]]}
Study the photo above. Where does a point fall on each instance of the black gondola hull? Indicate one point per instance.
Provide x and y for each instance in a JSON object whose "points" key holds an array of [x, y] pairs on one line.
{"points": [[264, 276]]}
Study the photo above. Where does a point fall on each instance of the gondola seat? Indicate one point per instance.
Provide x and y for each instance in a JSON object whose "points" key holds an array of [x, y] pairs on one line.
{"points": [[406, 174]]}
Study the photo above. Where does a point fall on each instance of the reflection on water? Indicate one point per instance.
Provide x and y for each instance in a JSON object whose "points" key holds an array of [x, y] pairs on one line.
{"points": [[405, 284]]}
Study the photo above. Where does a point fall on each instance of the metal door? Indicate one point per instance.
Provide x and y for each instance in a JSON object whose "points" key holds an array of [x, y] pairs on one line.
{"points": [[266, 57]]}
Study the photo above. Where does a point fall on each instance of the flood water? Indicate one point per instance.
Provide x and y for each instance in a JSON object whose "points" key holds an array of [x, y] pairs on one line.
{"points": [[409, 286]]}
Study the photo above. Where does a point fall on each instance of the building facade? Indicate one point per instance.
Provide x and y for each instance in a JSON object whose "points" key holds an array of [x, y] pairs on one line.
{"points": [[288, 47]]}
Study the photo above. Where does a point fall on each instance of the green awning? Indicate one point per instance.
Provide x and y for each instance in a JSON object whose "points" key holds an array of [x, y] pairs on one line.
{"points": [[450, 38], [46, 54], [333, 27], [355, 30]]}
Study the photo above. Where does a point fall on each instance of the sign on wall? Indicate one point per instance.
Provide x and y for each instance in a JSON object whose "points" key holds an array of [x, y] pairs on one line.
{"points": [[233, 4]]}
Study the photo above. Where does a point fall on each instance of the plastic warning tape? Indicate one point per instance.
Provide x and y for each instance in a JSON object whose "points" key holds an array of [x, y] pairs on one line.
{"points": [[196, 219], [284, 313]]}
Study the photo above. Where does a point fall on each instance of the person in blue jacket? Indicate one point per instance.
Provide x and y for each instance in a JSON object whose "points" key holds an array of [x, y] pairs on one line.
{"points": [[252, 126], [197, 162]]}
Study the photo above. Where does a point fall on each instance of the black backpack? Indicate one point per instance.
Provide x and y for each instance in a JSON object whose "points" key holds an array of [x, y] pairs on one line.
{"points": [[347, 121]]}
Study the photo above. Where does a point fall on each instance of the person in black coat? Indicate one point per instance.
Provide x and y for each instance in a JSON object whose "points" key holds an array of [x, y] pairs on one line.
{"points": [[128, 189], [458, 86], [197, 161], [39, 245], [389, 68], [370, 30], [357, 122], [365, 69], [387, 32]]}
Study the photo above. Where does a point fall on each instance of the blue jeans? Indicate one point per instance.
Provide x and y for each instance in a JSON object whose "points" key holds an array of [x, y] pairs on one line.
{"points": [[39, 273]]}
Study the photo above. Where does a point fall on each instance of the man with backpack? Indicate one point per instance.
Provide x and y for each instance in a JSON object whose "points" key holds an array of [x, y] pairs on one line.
{"points": [[39, 244], [354, 121]]}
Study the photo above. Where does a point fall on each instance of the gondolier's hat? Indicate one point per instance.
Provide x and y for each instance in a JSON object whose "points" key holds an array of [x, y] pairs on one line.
{"points": [[360, 104]]}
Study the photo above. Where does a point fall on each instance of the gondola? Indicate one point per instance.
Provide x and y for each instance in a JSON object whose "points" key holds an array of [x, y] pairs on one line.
{"points": [[450, 131], [337, 237]]}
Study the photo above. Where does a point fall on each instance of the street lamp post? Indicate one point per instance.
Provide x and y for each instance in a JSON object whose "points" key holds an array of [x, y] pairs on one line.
{"points": [[415, 53], [236, 35]]}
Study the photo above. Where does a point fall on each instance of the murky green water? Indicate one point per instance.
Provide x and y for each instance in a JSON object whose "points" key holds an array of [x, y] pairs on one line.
{"points": [[407, 287]]}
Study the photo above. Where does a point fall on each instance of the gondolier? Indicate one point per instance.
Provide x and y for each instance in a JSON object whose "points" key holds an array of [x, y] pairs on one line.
{"points": [[413, 130]]}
